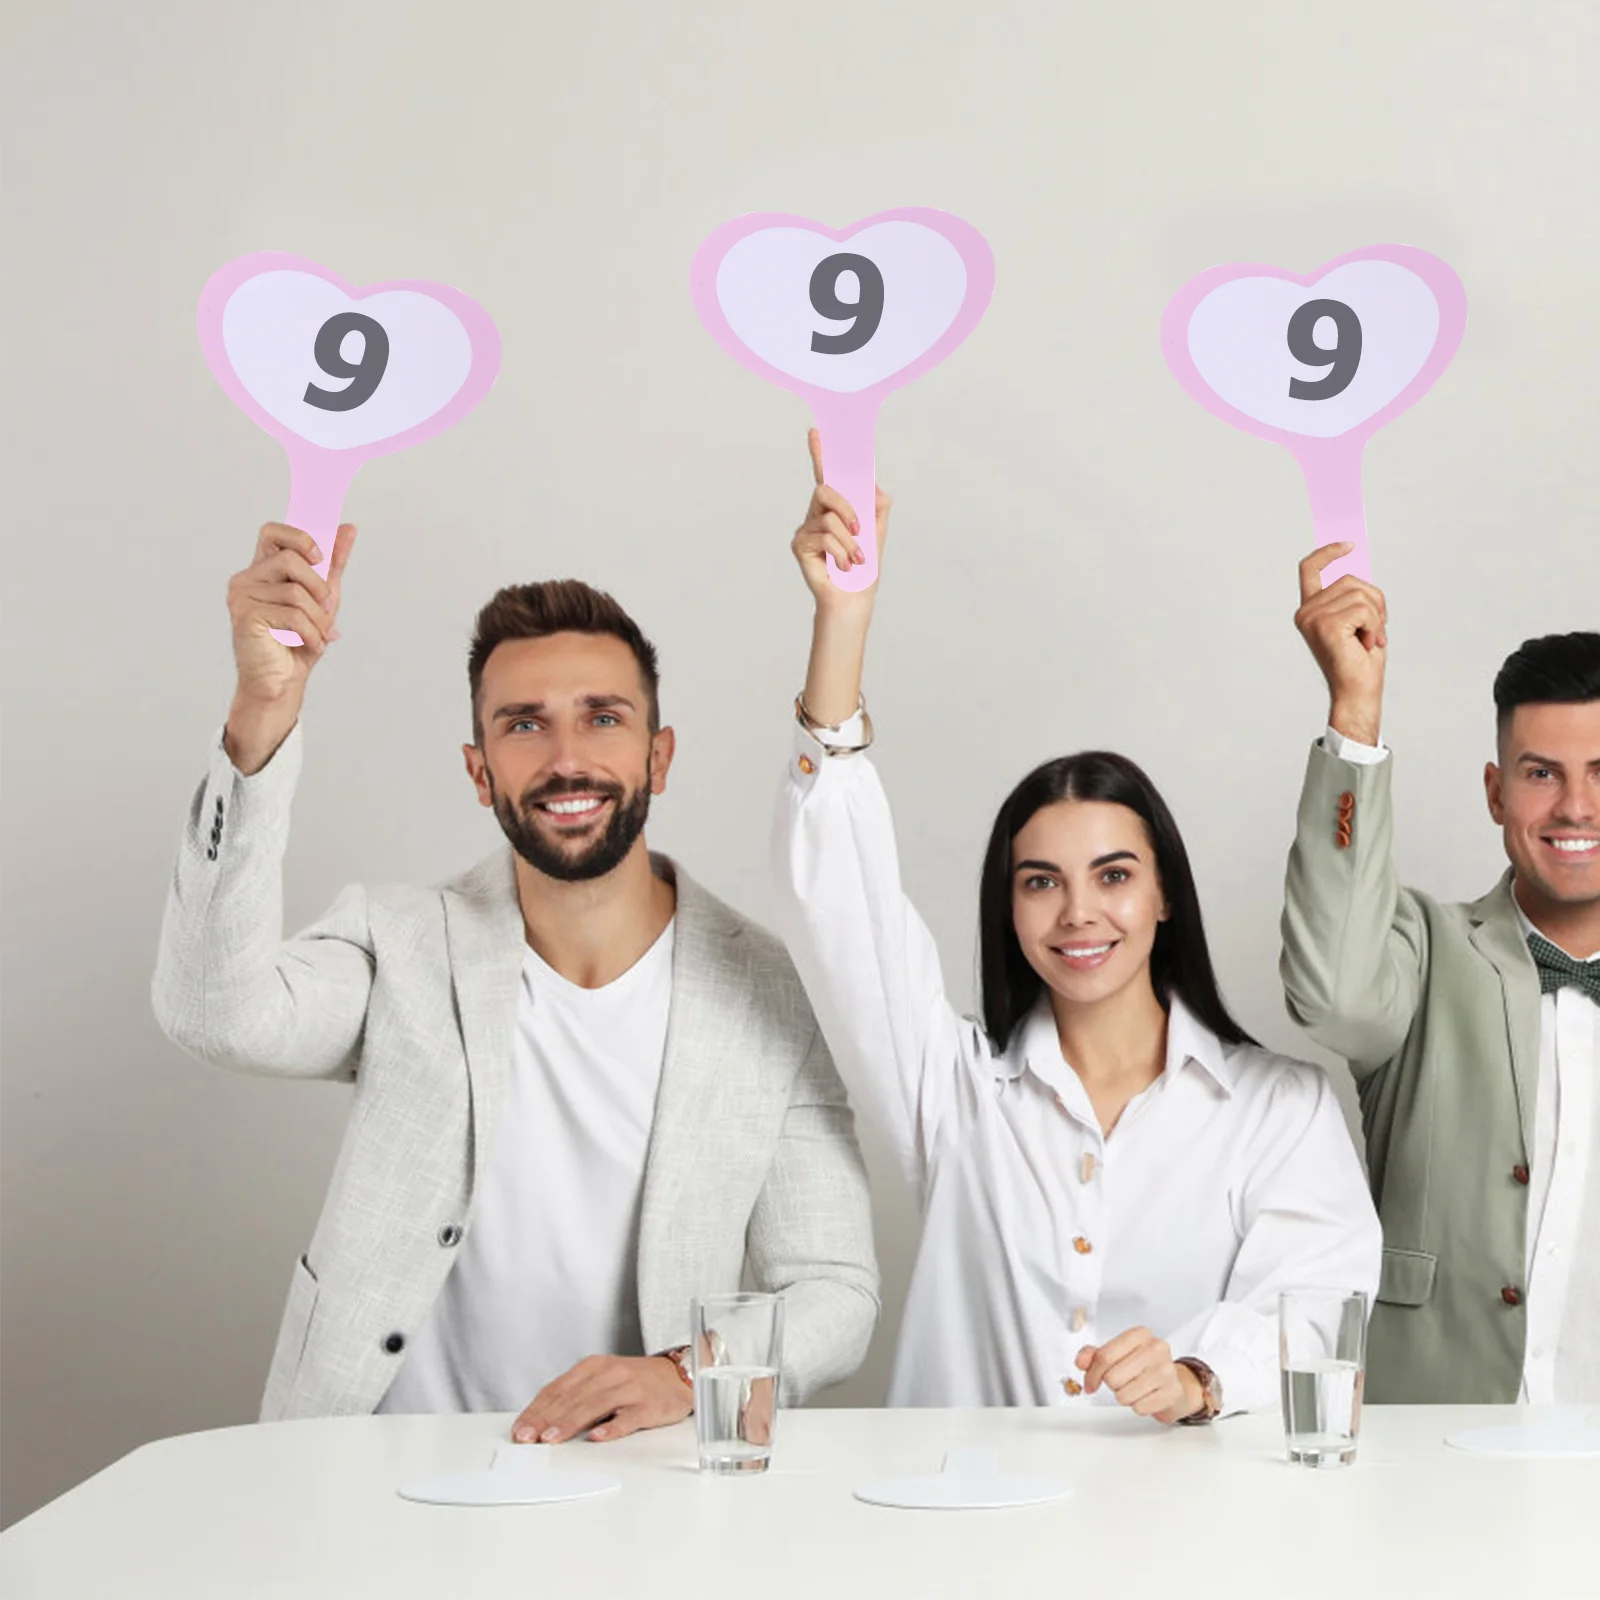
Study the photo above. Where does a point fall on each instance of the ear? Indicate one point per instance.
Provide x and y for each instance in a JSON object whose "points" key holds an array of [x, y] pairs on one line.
{"points": [[478, 771], [1494, 792], [663, 746]]}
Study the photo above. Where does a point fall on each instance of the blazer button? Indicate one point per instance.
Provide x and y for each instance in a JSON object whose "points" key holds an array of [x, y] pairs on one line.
{"points": [[449, 1235], [1512, 1296], [395, 1343], [1347, 803], [1520, 1173]]}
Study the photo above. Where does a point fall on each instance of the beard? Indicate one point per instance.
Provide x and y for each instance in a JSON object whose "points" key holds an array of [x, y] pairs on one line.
{"points": [[580, 861]]}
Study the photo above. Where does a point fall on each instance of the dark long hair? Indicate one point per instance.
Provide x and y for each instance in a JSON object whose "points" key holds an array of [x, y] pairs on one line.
{"points": [[1180, 962]]}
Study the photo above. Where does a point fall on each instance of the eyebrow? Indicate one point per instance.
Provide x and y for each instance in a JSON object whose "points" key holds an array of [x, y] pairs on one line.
{"points": [[536, 708], [1099, 861]]}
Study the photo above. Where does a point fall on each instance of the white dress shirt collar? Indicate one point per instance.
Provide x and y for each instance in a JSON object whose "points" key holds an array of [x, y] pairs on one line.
{"points": [[1189, 1042]]}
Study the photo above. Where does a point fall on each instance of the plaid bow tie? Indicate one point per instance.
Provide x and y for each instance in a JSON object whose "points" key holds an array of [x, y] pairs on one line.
{"points": [[1557, 969]]}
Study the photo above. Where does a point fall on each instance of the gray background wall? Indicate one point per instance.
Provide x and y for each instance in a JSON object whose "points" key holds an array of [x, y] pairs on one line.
{"points": [[1082, 556]]}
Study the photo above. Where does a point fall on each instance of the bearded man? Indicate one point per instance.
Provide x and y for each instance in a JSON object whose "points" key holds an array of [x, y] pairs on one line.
{"points": [[585, 1090]]}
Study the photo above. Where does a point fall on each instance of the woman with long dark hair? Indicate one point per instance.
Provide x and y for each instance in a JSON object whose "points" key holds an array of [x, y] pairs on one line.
{"points": [[1115, 1179]]}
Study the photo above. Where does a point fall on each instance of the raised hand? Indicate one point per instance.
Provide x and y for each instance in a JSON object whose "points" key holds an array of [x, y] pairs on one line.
{"points": [[1346, 626], [839, 633], [279, 589]]}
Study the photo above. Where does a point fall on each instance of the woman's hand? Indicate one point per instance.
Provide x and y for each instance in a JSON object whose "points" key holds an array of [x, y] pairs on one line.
{"points": [[839, 633], [1139, 1370], [831, 528]]}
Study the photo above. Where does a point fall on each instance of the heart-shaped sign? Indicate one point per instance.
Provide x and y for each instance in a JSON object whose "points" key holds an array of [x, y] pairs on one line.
{"points": [[1319, 363], [842, 317], [339, 374]]}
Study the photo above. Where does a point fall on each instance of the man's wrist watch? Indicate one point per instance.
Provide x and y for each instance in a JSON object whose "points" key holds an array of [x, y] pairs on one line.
{"points": [[1210, 1391], [679, 1357]]}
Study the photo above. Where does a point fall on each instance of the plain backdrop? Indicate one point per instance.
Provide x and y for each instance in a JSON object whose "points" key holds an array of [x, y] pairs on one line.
{"points": [[1081, 555]]}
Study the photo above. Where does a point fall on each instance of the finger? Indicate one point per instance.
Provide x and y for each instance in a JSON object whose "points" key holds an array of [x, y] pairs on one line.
{"points": [[254, 596], [294, 619], [1152, 1390], [343, 543], [277, 536], [1311, 569], [1158, 1401], [290, 565], [1130, 1373], [536, 1414], [628, 1419], [884, 504], [824, 542], [814, 445], [1084, 1357], [1113, 1351], [588, 1406], [825, 498]]}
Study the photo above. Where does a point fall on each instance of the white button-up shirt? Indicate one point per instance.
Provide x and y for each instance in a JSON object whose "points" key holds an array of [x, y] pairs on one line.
{"points": [[1230, 1178], [1561, 1361]]}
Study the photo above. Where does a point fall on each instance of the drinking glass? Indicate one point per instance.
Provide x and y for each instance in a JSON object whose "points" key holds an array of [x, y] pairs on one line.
{"points": [[1322, 1345], [736, 1354]]}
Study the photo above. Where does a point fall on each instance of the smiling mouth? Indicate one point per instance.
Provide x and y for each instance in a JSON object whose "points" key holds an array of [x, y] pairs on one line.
{"points": [[1577, 849], [1084, 957], [573, 809]]}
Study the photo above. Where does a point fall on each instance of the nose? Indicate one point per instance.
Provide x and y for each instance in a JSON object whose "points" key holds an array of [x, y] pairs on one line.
{"points": [[1579, 804]]}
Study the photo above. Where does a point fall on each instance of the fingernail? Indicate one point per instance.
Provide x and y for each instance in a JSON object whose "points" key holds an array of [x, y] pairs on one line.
{"points": [[549, 1436], [522, 1435], [316, 554], [599, 1433]]}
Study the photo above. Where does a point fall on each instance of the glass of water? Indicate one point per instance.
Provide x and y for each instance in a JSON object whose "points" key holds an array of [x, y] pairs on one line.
{"points": [[1322, 1345], [736, 1352]]}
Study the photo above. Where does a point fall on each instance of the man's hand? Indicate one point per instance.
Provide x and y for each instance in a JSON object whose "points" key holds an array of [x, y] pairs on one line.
{"points": [[279, 589], [1139, 1370], [1347, 627], [606, 1397]]}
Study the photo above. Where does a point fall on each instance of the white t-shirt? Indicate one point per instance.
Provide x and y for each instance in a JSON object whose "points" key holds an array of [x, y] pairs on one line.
{"points": [[546, 1273]]}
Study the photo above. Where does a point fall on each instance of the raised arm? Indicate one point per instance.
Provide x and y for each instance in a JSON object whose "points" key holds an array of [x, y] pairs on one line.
{"points": [[868, 962], [227, 987], [1353, 941]]}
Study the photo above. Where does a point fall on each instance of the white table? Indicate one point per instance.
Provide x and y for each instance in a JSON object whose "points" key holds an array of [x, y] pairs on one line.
{"points": [[309, 1509]]}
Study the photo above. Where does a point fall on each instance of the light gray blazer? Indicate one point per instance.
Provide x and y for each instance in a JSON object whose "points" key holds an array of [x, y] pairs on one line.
{"points": [[753, 1176]]}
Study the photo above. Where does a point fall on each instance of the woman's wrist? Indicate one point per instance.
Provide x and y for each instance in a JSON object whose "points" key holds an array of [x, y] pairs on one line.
{"points": [[838, 653]]}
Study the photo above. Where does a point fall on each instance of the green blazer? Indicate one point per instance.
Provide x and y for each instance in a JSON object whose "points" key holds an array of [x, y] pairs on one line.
{"points": [[1436, 1008]]}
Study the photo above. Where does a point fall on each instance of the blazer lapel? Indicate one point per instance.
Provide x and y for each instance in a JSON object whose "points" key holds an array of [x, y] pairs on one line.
{"points": [[483, 923], [1496, 934], [697, 1044]]}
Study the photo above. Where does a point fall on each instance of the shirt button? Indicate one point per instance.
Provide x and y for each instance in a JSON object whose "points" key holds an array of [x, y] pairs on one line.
{"points": [[449, 1235], [1072, 1386], [806, 765], [1520, 1173], [1086, 1167], [1080, 1316], [1552, 1249], [1511, 1295], [1082, 1245], [395, 1343]]}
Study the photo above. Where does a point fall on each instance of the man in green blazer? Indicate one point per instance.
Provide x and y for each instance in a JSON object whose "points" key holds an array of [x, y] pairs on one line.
{"points": [[1473, 1031]]}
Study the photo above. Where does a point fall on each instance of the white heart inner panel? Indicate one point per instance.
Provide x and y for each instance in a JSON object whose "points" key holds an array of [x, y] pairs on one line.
{"points": [[842, 314], [372, 367], [1346, 345]]}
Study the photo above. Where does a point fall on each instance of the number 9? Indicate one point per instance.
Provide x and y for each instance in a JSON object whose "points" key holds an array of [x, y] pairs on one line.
{"points": [[864, 315], [1343, 356], [365, 375]]}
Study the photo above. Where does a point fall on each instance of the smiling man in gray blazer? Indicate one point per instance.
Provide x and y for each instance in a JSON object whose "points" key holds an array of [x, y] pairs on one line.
{"points": [[585, 1090], [1473, 1031]]}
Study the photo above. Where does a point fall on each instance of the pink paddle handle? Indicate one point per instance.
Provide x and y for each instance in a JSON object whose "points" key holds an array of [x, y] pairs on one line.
{"points": [[847, 426], [1332, 469], [318, 480]]}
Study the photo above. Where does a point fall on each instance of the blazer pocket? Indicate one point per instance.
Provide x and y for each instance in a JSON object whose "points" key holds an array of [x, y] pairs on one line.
{"points": [[1407, 1277], [293, 1334]]}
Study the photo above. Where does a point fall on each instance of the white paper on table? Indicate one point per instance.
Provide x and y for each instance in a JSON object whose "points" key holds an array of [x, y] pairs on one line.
{"points": [[1572, 1432], [971, 1480], [520, 1475]]}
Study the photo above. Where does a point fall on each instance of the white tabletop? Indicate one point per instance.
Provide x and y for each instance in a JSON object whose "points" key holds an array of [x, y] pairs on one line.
{"points": [[310, 1509]]}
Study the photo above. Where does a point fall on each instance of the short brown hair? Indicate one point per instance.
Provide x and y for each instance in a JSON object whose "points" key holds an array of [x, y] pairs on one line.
{"points": [[560, 605]]}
